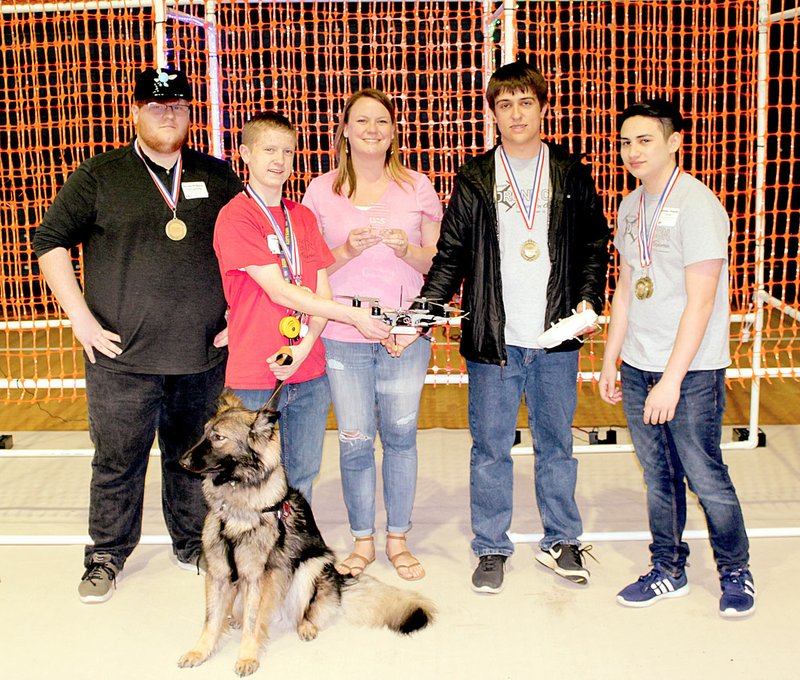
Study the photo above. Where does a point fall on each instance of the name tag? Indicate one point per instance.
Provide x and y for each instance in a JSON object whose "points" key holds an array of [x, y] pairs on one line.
{"points": [[668, 217], [194, 190], [273, 245]]}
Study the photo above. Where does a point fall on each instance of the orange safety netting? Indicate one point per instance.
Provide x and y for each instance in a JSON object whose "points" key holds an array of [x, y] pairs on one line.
{"points": [[66, 74]]}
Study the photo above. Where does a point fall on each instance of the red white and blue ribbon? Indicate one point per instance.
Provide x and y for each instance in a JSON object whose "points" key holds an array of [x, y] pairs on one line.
{"points": [[647, 233], [291, 265], [528, 211], [171, 197]]}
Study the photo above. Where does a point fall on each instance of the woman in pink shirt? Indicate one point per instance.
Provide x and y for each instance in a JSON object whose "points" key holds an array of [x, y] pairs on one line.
{"points": [[381, 222]]}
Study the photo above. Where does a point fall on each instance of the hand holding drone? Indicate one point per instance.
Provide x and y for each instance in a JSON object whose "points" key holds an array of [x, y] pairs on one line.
{"points": [[411, 321]]}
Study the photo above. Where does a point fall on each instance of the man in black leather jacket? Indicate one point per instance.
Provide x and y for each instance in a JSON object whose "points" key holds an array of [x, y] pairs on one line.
{"points": [[525, 234]]}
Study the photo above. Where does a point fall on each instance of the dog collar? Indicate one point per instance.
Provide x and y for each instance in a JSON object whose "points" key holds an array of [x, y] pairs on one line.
{"points": [[280, 510]]}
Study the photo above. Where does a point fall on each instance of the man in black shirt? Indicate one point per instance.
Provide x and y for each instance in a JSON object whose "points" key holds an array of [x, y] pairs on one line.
{"points": [[151, 317]]}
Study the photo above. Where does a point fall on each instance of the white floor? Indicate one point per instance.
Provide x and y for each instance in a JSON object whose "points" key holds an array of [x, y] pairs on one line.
{"points": [[540, 626]]}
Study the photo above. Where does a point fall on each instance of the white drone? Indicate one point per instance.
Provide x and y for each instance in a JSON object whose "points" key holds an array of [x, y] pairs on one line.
{"points": [[411, 321]]}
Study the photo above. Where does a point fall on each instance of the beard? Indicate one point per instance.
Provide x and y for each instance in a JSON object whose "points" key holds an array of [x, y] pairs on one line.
{"points": [[163, 140]]}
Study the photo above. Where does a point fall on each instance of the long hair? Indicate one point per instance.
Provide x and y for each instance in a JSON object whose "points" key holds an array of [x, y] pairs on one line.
{"points": [[345, 171]]}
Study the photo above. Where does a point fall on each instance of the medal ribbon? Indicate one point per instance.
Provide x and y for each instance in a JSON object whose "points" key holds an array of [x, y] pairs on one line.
{"points": [[171, 198], [291, 266], [529, 211], [646, 235]]}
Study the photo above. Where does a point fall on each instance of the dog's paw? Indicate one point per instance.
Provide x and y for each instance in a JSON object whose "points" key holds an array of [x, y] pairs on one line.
{"points": [[191, 659], [307, 630], [244, 667]]}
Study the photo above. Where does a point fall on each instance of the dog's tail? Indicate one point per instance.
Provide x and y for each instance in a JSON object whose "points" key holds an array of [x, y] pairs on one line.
{"points": [[366, 601]]}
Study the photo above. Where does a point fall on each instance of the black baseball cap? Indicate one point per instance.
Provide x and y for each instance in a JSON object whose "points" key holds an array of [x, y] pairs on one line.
{"points": [[162, 83]]}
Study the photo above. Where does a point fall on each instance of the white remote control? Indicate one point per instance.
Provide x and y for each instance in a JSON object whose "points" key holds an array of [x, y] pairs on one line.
{"points": [[567, 328]]}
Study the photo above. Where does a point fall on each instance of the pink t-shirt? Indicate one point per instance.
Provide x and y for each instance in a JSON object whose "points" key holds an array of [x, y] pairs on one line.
{"points": [[240, 240], [377, 272]]}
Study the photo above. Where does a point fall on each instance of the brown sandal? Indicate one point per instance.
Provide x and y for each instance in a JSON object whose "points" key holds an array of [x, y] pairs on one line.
{"points": [[403, 562], [354, 564]]}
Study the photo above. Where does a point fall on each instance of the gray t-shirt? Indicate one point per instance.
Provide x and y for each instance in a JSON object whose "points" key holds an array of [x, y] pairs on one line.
{"points": [[524, 281], [693, 227]]}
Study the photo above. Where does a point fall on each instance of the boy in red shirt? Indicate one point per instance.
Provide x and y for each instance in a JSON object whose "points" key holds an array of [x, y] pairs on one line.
{"points": [[272, 259]]}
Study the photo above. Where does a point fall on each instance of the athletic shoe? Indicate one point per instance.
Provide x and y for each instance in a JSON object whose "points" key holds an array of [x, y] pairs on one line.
{"points": [[488, 575], [738, 594], [567, 561], [99, 580], [656, 585], [198, 564]]}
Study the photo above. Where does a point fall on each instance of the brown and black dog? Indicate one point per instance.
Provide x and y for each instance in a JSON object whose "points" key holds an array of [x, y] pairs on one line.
{"points": [[264, 551]]}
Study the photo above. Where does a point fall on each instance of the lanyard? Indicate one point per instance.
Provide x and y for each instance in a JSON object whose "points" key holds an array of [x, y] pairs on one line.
{"points": [[291, 266], [529, 211], [647, 234], [171, 197]]}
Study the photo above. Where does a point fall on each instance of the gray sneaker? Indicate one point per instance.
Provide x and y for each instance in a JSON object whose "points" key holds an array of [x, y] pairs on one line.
{"points": [[488, 575], [99, 580]]}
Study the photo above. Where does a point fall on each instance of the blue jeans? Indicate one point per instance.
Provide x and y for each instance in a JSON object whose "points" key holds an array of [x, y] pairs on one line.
{"points": [[304, 414], [548, 381], [125, 412], [376, 393], [686, 448]]}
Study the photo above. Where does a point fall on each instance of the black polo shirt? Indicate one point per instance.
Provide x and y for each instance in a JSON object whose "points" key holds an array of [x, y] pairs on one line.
{"points": [[163, 297]]}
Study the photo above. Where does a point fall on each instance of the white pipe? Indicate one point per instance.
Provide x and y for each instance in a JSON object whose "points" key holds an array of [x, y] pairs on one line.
{"points": [[54, 453], [509, 31], [594, 536], [746, 444], [34, 325], [761, 150], [159, 19], [213, 79], [435, 379], [488, 67], [600, 536], [779, 304], [74, 540], [42, 7], [783, 16]]}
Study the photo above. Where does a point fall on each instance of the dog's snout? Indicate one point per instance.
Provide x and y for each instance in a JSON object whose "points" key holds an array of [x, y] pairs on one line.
{"points": [[194, 460]]}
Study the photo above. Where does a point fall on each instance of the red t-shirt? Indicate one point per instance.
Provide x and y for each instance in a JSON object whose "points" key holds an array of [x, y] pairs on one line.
{"points": [[240, 240]]}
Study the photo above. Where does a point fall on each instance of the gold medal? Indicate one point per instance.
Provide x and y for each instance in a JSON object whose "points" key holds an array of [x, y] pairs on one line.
{"points": [[643, 288], [176, 229], [530, 250]]}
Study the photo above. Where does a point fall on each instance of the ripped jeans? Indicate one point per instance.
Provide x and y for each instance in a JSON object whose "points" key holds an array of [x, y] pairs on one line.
{"points": [[376, 393]]}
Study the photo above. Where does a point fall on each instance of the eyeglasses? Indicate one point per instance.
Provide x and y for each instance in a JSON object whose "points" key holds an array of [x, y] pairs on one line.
{"points": [[159, 109]]}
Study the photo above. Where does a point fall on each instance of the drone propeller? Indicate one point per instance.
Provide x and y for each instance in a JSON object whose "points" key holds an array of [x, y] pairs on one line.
{"points": [[358, 299], [447, 308]]}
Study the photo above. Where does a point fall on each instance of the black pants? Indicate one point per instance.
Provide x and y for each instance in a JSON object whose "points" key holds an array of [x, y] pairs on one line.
{"points": [[125, 412]]}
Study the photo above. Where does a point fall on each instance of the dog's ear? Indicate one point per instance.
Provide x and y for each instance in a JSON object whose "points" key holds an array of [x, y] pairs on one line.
{"points": [[227, 401], [264, 424]]}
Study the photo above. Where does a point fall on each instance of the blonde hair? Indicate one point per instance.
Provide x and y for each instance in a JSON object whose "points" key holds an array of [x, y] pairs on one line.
{"points": [[346, 173], [265, 120]]}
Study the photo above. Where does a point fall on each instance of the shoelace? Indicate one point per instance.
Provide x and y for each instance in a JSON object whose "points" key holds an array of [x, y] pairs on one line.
{"points": [[93, 573], [492, 563], [736, 578], [657, 573], [586, 550]]}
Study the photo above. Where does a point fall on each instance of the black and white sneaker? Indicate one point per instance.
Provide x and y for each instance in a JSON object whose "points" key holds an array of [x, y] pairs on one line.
{"points": [[567, 561], [488, 575]]}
